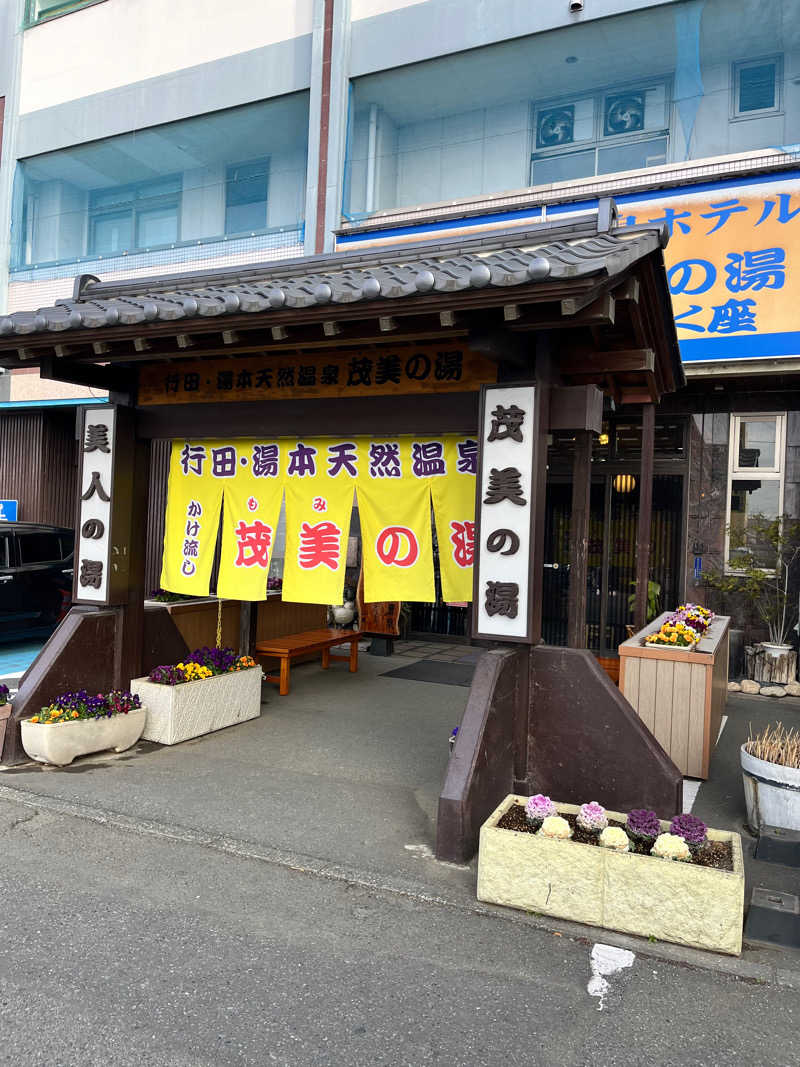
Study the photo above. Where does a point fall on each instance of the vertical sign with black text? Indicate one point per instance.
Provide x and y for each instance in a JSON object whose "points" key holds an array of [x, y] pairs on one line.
{"points": [[504, 507]]}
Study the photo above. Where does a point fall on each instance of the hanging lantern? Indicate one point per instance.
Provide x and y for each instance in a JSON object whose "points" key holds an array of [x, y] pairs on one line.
{"points": [[624, 483], [602, 439]]}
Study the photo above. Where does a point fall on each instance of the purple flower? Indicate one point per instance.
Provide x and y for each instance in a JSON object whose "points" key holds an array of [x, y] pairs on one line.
{"points": [[690, 828], [4, 691], [643, 824], [538, 808], [592, 817]]}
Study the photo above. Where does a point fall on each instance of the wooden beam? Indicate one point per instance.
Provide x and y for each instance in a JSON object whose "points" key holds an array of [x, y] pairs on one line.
{"points": [[576, 407], [279, 333], [185, 340], [141, 344], [584, 361], [386, 324], [110, 378], [230, 337], [331, 328], [101, 348], [502, 347], [645, 515], [448, 318], [511, 312], [579, 539], [601, 311]]}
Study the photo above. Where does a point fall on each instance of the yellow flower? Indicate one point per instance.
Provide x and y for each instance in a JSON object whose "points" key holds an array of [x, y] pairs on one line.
{"points": [[35, 718], [74, 715], [674, 638]]}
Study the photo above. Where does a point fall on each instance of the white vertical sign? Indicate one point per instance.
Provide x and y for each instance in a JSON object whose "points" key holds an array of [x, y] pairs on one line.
{"points": [[93, 540], [504, 509]]}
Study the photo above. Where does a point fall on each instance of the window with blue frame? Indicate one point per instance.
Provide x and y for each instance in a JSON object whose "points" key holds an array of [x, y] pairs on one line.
{"points": [[601, 97], [39, 10], [194, 181]]}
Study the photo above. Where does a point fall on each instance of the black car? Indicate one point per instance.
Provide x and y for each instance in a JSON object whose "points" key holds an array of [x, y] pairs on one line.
{"points": [[36, 563]]}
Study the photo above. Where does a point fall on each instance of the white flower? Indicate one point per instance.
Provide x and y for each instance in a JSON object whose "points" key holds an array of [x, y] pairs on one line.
{"points": [[670, 847], [615, 838], [556, 828]]}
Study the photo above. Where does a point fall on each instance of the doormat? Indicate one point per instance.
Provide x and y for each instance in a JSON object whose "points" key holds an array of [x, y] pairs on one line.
{"points": [[440, 671], [779, 846]]}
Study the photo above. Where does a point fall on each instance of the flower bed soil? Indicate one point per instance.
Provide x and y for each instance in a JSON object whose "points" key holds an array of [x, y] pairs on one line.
{"points": [[717, 854]]}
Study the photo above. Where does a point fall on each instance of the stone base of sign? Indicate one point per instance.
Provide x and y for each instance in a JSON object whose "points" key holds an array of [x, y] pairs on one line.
{"points": [[178, 712], [61, 742], [680, 902]]}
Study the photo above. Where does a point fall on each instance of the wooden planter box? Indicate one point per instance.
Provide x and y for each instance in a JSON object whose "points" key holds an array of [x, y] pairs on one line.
{"points": [[680, 902], [178, 712], [679, 693]]}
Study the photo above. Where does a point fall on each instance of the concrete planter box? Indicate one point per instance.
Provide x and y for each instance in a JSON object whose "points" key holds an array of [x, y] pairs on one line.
{"points": [[680, 902], [61, 742], [177, 712], [771, 793]]}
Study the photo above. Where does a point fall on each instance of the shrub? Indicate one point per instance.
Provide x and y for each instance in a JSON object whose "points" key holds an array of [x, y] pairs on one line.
{"points": [[556, 828], [670, 847], [538, 808], [592, 817], [615, 838], [72, 707], [4, 691], [643, 825]]}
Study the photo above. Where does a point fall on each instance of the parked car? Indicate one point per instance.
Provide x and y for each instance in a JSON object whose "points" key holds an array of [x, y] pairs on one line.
{"points": [[36, 562]]}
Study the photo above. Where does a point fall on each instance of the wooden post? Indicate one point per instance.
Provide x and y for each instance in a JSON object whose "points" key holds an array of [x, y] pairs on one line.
{"points": [[245, 612], [129, 629], [645, 513], [579, 539]]}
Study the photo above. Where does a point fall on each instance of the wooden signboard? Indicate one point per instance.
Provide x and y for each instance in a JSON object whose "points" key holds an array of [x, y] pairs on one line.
{"points": [[441, 368]]}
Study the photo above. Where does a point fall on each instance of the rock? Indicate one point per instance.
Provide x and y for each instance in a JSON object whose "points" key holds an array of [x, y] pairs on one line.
{"points": [[793, 689], [749, 686], [734, 687], [772, 691]]}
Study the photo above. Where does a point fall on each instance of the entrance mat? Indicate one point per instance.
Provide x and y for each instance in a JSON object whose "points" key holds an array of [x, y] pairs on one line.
{"points": [[773, 918], [441, 671], [779, 846]]}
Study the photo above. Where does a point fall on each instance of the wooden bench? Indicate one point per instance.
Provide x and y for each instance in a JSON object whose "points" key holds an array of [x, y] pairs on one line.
{"points": [[294, 645]]}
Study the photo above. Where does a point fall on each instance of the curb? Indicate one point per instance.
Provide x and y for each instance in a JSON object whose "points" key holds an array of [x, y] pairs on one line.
{"points": [[762, 974]]}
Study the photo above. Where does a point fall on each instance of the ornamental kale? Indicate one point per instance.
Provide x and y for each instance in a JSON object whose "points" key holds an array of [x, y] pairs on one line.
{"points": [[4, 691], [643, 825], [690, 828], [592, 817], [539, 808]]}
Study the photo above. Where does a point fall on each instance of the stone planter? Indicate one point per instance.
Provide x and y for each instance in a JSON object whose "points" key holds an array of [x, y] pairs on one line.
{"points": [[5, 715], [771, 664], [680, 902], [771, 793], [61, 742], [177, 712]]}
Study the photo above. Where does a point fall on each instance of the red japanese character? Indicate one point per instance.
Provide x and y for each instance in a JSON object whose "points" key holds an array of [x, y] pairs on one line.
{"points": [[397, 546], [463, 540], [255, 539], [320, 544]]}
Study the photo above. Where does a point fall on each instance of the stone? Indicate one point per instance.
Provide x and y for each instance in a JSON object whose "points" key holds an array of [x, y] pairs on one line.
{"points": [[772, 691], [178, 712], [749, 686], [689, 905], [793, 689], [59, 743], [734, 687]]}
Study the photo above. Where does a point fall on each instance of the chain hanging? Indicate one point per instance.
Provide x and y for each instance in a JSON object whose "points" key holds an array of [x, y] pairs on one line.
{"points": [[219, 623]]}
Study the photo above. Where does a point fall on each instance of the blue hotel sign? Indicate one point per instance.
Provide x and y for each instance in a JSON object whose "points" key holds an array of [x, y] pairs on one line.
{"points": [[9, 510]]}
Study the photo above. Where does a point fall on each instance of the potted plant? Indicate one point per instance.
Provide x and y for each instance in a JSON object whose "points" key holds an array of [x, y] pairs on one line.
{"points": [[762, 569], [5, 713], [75, 724], [677, 881], [211, 689], [771, 778]]}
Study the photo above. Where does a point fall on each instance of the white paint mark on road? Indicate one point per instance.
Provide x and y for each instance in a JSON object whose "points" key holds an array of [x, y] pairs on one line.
{"points": [[690, 790], [425, 852], [605, 961], [721, 727]]}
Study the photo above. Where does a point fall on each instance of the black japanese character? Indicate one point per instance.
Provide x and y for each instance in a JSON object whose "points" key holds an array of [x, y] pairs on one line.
{"points": [[449, 366], [359, 372], [264, 378], [502, 598], [505, 485], [244, 379], [329, 374], [418, 367], [285, 377], [96, 439], [307, 375], [96, 487], [93, 529], [223, 461], [91, 573], [172, 383], [497, 540], [224, 379], [506, 423], [191, 382], [388, 369]]}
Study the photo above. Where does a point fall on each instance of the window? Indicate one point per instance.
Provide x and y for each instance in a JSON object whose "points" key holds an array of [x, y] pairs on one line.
{"points": [[5, 550], [612, 130], [39, 548], [755, 480], [134, 216], [38, 10], [756, 87], [246, 197]]}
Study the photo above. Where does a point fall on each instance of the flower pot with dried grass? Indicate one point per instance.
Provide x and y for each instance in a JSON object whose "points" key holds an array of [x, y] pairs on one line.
{"points": [[771, 778]]}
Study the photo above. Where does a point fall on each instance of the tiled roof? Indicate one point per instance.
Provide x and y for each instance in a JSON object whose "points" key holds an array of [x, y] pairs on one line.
{"points": [[378, 278]]}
